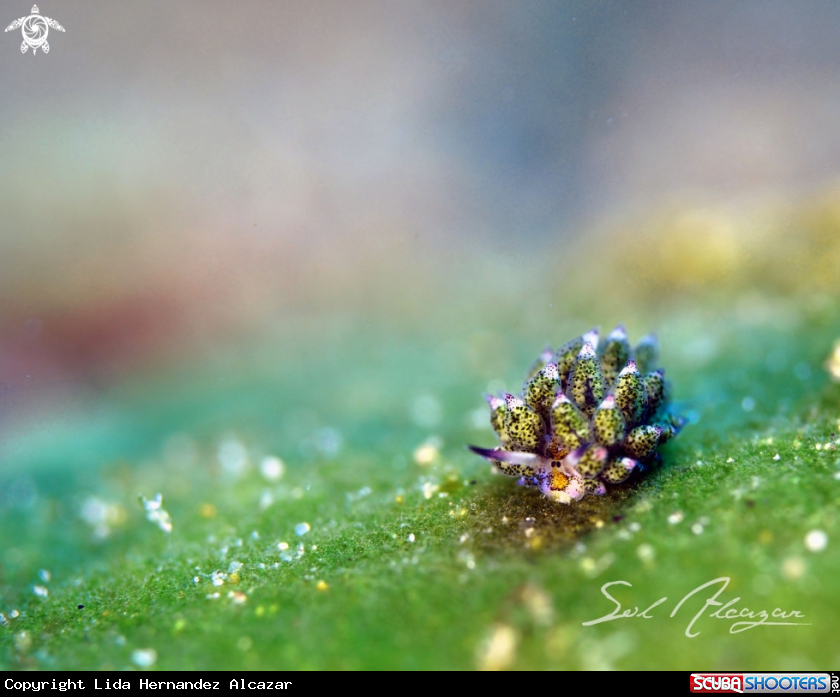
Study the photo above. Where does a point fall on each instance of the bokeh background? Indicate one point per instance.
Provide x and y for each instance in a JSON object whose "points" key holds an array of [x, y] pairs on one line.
{"points": [[176, 176], [329, 225]]}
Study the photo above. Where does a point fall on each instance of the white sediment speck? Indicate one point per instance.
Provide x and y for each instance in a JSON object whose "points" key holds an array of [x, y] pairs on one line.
{"points": [[41, 591], [816, 541], [360, 494], [426, 453], [467, 558], [675, 518], [429, 489], [218, 578], [233, 457], [45, 575], [23, 641], [411, 537], [144, 657], [730, 460], [499, 649], [266, 499], [234, 566], [272, 468], [328, 442], [646, 553], [283, 546], [102, 516], [697, 528], [301, 529], [156, 514], [832, 365], [777, 457], [634, 526], [793, 568]]}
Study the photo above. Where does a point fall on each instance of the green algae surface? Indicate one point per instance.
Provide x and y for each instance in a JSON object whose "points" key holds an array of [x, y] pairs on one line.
{"points": [[380, 542]]}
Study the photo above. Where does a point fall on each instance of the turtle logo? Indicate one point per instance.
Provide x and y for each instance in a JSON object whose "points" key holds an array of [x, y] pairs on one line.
{"points": [[35, 30]]}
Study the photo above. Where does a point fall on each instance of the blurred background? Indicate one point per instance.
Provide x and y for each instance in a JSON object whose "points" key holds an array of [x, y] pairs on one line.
{"points": [[265, 257], [183, 182]]}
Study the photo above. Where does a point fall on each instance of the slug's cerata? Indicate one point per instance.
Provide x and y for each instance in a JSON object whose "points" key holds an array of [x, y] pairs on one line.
{"points": [[589, 415]]}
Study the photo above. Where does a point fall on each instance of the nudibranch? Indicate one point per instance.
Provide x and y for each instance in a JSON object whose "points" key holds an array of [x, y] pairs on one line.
{"points": [[589, 415]]}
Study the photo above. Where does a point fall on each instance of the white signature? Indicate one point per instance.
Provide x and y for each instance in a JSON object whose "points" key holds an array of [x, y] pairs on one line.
{"points": [[748, 619]]}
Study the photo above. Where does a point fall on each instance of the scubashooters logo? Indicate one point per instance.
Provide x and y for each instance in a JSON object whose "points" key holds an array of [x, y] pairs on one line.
{"points": [[739, 683]]}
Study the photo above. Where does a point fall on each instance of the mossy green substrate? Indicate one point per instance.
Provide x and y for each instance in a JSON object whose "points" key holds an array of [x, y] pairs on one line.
{"points": [[441, 565]]}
